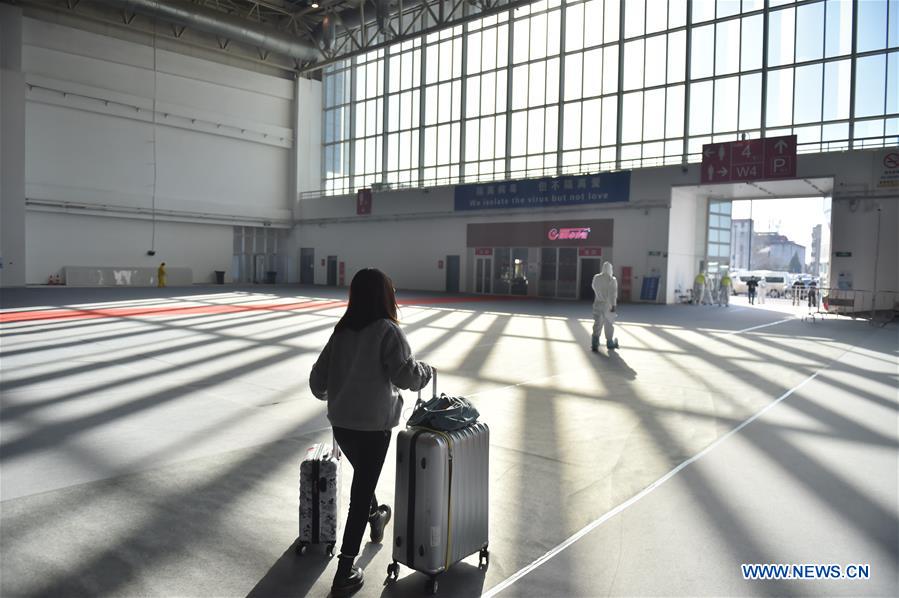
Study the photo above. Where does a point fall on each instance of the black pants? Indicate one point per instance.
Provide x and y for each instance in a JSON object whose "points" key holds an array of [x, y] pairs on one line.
{"points": [[365, 452]]}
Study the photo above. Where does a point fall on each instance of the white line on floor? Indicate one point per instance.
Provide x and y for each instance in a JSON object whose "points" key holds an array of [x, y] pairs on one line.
{"points": [[591, 526], [761, 326]]}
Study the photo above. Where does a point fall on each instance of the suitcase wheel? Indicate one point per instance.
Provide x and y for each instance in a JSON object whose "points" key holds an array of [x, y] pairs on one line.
{"points": [[483, 559], [431, 586], [393, 572], [301, 548]]}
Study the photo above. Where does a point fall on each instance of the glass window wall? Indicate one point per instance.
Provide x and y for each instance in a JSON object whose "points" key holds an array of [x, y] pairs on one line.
{"points": [[565, 86]]}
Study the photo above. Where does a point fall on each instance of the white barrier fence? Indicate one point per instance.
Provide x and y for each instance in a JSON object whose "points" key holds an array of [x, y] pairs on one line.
{"points": [[880, 306]]}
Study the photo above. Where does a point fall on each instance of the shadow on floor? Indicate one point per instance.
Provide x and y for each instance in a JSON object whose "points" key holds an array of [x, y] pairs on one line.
{"points": [[292, 574], [462, 579]]}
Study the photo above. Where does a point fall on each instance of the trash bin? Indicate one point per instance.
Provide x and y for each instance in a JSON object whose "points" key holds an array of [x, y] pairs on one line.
{"points": [[219, 277], [270, 277]]}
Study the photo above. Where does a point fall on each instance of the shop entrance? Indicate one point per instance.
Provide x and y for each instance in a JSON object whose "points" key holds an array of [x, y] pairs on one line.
{"points": [[589, 268], [482, 270]]}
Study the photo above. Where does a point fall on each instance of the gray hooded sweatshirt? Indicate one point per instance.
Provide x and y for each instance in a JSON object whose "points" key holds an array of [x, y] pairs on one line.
{"points": [[359, 373]]}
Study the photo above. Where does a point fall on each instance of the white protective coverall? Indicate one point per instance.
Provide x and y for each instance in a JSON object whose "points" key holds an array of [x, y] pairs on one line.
{"points": [[605, 291]]}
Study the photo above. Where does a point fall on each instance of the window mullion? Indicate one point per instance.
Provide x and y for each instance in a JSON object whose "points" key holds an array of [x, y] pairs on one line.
{"points": [[509, 92], [620, 95], [764, 106], [385, 99], [852, 74]]}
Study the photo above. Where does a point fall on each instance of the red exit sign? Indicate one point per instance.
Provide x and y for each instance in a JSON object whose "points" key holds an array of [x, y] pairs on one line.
{"points": [[749, 160]]}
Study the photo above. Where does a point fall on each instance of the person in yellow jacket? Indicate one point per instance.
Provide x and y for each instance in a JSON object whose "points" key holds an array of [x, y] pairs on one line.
{"points": [[724, 288], [700, 290], [160, 276]]}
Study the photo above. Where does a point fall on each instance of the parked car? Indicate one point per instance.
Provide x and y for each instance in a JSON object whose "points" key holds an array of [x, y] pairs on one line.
{"points": [[777, 282]]}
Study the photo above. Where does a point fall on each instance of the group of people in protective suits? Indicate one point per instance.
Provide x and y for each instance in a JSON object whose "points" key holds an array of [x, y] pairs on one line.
{"points": [[703, 290]]}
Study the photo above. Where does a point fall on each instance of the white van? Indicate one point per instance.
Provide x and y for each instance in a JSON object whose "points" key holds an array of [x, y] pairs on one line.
{"points": [[776, 283]]}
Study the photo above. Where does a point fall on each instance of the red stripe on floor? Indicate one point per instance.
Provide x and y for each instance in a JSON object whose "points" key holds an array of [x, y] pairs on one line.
{"points": [[126, 312], [195, 310]]}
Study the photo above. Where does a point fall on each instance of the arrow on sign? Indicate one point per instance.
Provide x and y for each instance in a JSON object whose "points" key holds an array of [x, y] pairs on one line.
{"points": [[780, 146], [722, 171], [709, 152]]}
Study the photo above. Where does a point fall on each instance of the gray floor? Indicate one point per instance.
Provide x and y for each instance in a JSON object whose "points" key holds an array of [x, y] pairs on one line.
{"points": [[158, 455]]}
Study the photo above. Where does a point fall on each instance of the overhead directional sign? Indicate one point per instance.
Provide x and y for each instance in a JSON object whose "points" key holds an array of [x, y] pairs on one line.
{"points": [[750, 160]]}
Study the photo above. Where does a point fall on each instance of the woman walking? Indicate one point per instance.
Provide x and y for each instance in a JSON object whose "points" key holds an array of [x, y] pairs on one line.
{"points": [[359, 373]]}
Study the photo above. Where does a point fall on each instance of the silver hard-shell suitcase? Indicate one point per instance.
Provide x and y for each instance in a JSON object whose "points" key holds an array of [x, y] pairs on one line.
{"points": [[441, 501], [319, 497]]}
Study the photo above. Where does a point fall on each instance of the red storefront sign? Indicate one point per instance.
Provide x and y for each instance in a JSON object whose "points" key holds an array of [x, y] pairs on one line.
{"points": [[753, 159], [363, 202], [589, 251], [555, 234], [483, 251]]}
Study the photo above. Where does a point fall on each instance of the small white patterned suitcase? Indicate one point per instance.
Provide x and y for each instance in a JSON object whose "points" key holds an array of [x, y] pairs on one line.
{"points": [[319, 497]]}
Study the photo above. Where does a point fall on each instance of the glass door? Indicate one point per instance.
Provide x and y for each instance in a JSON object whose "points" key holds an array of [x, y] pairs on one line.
{"points": [[482, 274], [719, 239], [502, 271], [520, 271], [548, 267], [567, 288]]}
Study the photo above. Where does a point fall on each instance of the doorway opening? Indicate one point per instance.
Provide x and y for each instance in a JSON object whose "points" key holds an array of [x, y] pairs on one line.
{"points": [[482, 274], [783, 243], [307, 265], [452, 273], [332, 270]]}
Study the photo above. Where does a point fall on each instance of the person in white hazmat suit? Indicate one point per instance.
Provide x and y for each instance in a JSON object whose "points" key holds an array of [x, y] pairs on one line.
{"points": [[605, 302]]}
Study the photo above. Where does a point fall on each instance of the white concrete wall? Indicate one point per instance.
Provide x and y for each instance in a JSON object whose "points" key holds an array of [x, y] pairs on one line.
{"points": [[686, 241], [226, 141], [12, 149], [857, 201], [203, 248], [855, 224], [410, 230], [308, 135]]}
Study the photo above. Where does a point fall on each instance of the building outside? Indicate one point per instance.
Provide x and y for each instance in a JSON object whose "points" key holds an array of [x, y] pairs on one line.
{"points": [[741, 244], [773, 251]]}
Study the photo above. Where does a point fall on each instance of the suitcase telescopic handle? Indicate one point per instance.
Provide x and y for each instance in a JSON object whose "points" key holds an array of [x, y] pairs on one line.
{"points": [[433, 384]]}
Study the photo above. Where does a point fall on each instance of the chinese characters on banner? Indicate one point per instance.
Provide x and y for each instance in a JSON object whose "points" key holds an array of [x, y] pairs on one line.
{"points": [[576, 190], [749, 160]]}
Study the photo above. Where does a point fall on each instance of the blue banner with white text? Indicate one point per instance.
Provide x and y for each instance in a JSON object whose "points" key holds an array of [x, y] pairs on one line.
{"points": [[574, 190]]}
